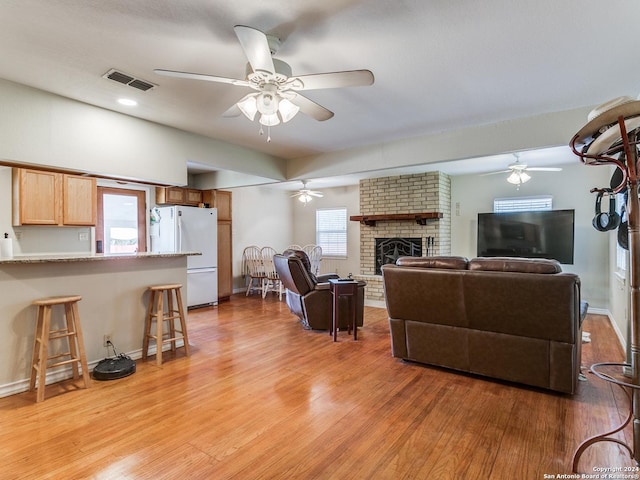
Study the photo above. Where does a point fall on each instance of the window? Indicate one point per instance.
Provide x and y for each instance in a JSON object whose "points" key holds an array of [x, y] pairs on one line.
{"points": [[522, 204], [331, 231], [121, 221]]}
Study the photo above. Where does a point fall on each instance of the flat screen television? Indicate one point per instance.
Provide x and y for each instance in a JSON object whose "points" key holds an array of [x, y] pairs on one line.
{"points": [[542, 234]]}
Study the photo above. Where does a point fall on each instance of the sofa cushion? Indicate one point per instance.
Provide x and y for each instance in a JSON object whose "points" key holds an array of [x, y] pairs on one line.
{"points": [[456, 263], [521, 265]]}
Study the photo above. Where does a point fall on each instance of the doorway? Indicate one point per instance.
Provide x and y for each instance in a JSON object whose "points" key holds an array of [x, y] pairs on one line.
{"points": [[121, 226]]}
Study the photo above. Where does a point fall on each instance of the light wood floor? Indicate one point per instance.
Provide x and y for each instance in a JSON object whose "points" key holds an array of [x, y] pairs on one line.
{"points": [[261, 398]]}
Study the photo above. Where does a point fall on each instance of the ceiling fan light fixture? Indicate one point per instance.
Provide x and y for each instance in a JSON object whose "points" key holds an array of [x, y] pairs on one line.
{"points": [[518, 177], [305, 198], [269, 120], [288, 110], [249, 107], [268, 102]]}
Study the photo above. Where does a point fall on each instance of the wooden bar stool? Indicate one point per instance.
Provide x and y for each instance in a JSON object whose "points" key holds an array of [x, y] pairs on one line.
{"points": [[156, 311], [72, 331]]}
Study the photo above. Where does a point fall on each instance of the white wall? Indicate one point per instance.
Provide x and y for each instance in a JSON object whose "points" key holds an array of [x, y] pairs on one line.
{"points": [[39, 128], [570, 190], [261, 216], [304, 226]]}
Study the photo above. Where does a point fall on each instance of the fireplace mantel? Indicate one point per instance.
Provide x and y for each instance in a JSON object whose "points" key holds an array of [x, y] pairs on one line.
{"points": [[420, 218]]}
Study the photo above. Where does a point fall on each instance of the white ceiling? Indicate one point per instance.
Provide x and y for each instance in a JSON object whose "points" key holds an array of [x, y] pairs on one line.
{"points": [[438, 65]]}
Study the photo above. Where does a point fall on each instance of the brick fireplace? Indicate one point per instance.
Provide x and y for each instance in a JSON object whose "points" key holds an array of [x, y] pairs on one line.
{"points": [[404, 194]]}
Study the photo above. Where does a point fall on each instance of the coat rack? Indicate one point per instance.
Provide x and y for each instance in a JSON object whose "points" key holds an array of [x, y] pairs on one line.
{"points": [[622, 153]]}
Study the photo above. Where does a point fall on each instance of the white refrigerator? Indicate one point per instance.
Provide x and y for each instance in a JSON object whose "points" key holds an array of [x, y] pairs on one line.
{"points": [[191, 229]]}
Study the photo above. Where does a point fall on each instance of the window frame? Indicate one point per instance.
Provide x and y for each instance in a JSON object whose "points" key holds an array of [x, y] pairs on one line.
{"points": [[328, 252], [523, 204], [142, 213]]}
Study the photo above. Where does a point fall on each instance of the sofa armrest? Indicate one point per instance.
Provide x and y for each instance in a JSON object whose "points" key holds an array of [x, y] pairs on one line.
{"points": [[323, 286], [325, 277]]}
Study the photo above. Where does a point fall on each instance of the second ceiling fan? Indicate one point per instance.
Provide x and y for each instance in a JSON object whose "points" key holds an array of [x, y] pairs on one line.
{"points": [[518, 171], [305, 195], [277, 98]]}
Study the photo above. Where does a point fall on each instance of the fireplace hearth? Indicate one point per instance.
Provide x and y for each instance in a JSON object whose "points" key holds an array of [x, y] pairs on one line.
{"points": [[387, 250]]}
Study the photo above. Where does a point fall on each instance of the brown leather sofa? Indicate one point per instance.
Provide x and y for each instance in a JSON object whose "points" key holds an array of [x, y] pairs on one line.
{"points": [[309, 297], [508, 318]]}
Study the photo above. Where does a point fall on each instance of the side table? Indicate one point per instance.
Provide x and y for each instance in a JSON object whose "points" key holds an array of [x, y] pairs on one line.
{"points": [[605, 372], [344, 288]]}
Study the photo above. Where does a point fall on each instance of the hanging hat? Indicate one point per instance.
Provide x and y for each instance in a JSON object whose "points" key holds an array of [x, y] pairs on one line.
{"points": [[602, 130]]}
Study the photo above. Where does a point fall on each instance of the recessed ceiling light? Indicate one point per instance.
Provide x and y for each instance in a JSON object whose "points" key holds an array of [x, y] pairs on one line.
{"points": [[128, 102]]}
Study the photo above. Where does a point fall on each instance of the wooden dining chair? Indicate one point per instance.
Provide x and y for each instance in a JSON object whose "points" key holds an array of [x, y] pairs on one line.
{"points": [[271, 281], [252, 259]]}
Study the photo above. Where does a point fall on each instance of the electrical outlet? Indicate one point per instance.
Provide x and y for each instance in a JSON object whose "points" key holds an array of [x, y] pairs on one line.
{"points": [[83, 236], [105, 341]]}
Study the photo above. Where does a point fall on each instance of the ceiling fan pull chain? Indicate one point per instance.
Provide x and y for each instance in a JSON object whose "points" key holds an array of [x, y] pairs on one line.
{"points": [[269, 134], [261, 131]]}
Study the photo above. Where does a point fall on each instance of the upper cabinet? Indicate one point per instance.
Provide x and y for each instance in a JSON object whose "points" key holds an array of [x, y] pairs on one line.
{"points": [[178, 196], [222, 201], [170, 195], [79, 200], [49, 198]]}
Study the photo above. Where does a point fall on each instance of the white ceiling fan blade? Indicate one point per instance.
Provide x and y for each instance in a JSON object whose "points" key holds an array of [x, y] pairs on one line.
{"points": [[316, 194], [495, 173], [256, 48], [202, 76], [311, 108], [544, 169], [232, 111], [352, 78]]}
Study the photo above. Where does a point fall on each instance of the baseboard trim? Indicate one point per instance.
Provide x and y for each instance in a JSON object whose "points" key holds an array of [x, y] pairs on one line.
{"points": [[375, 303], [58, 375]]}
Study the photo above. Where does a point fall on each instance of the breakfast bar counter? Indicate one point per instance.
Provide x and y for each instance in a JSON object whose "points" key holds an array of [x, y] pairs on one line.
{"points": [[88, 257], [114, 294]]}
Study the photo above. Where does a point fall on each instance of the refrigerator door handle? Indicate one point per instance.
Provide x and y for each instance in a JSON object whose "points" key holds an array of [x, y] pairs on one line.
{"points": [[179, 233]]}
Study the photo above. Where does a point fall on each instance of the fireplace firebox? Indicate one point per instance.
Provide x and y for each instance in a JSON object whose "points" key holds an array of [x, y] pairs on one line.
{"points": [[389, 249]]}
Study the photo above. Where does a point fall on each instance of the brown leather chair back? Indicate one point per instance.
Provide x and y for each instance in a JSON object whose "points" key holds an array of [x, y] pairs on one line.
{"points": [[293, 274]]}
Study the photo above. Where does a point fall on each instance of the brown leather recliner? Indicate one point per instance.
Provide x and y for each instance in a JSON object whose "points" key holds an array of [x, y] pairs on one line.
{"points": [[309, 297]]}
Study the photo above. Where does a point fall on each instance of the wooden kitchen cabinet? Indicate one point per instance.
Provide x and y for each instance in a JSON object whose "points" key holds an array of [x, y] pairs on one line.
{"points": [[193, 197], [222, 201], [178, 196], [50, 198], [225, 270], [79, 200], [170, 196]]}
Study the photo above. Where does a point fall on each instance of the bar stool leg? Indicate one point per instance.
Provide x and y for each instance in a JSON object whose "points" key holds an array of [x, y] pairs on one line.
{"points": [[183, 322], [35, 355], [159, 322], [80, 348], [72, 332], [147, 324], [43, 351], [172, 323]]}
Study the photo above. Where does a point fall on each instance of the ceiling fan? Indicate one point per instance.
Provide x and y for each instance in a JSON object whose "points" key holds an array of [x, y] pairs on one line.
{"points": [[518, 171], [277, 98], [305, 195]]}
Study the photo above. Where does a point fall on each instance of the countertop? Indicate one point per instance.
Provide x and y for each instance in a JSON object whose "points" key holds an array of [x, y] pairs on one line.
{"points": [[88, 257]]}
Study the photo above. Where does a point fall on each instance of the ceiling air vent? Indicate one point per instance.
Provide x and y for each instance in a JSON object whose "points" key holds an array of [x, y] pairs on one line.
{"points": [[130, 80]]}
